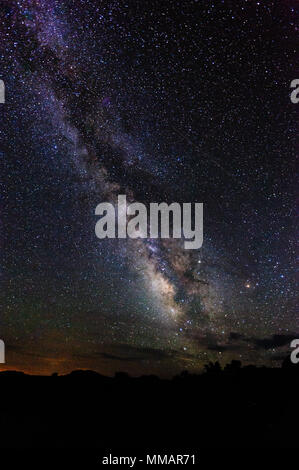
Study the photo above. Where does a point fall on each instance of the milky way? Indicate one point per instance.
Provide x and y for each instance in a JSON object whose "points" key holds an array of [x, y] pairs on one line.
{"points": [[183, 101]]}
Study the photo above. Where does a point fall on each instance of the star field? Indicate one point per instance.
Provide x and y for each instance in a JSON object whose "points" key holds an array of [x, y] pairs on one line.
{"points": [[181, 101]]}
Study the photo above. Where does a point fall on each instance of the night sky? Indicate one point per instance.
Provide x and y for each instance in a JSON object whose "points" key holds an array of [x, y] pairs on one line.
{"points": [[185, 101]]}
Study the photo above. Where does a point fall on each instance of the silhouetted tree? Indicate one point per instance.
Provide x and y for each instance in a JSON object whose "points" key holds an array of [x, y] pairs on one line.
{"points": [[213, 368], [234, 367]]}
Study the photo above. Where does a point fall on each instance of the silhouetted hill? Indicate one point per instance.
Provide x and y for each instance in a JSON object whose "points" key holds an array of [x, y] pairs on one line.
{"points": [[234, 407]]}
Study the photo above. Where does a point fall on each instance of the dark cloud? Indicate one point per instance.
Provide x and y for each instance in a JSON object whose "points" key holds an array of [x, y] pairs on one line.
{"points": [[237, 342], [279, 357], [128, 353], [235, 336], [223, 348], [119, 358], [275, 341]]}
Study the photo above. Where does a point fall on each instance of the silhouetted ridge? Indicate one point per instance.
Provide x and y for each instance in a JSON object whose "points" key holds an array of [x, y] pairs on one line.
{"points": [[231, 407]]}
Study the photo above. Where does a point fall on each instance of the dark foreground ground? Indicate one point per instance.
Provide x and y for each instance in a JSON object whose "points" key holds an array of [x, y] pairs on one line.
{"points": [[238, 407]]}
